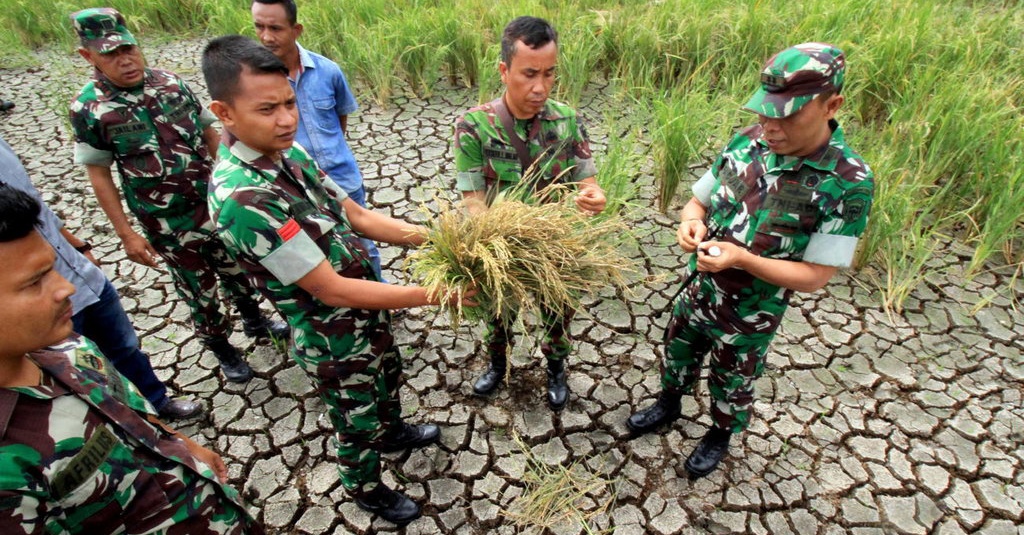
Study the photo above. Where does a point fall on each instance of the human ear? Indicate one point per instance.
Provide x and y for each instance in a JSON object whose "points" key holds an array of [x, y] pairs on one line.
{"points": [[223, 112], [833, 104]]}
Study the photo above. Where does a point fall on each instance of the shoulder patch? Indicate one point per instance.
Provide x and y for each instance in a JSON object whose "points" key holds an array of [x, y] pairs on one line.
{"points": [[90, 361], [853, 210]]}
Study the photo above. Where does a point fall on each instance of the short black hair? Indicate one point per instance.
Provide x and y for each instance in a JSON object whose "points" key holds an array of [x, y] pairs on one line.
{"points": [[224, 58], [534, 32], [290, 8], [19, 213]]}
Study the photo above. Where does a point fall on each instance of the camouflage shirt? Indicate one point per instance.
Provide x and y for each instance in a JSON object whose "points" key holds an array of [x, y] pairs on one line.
{"points": [[154, 133], [810, 209], [77, 455], [484, 156], [280, 220]]}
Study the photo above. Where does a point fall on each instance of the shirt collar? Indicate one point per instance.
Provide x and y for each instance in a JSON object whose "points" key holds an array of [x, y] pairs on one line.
{"points": [[109, 91], [824, 159], [249, 155], [305, 58]]}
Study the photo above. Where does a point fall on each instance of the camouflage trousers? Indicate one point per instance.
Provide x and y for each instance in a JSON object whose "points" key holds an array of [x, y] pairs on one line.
{"points": [[735, 362], [196, 260], [555, 344], [361, 394]]}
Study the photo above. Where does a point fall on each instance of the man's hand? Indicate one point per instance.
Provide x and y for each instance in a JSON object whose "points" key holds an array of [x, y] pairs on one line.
{"points": [[139, 250], [690, 234], [591, 199], [452, 298], [715, 256], [211, 458]]}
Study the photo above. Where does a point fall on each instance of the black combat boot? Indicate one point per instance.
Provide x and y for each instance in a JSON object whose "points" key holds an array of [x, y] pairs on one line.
{"points": [[390, 505], [558, 390], [405, 436], [665, 410], [708, 453], [235, 369], [256, 325], [492, 377]]}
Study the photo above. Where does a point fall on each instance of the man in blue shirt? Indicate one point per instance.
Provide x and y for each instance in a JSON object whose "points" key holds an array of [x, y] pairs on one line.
{"points": [[98, 314], [322, 96]]}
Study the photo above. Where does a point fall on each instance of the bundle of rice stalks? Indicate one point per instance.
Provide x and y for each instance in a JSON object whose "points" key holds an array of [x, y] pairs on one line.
{"points": [[519, 257]]}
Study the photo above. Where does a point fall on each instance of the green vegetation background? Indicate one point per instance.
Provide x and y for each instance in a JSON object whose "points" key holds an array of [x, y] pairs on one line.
{"points": [[934, 88]]}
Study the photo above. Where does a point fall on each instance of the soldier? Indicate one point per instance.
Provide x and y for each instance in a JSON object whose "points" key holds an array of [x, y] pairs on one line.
{"points": [[296, 235], [152, 126], [786, 202], [80, 449], [322, 96], [495, 144], [98, 314]]}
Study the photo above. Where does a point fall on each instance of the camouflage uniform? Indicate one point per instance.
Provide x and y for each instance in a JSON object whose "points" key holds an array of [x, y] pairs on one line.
{"points": [[783, 207], [486, 160], [154, 133], [77, 455], [280, 224]]}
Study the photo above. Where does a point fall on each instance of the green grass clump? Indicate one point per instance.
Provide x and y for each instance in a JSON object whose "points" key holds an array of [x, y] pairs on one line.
{"points": [[520, 257]]}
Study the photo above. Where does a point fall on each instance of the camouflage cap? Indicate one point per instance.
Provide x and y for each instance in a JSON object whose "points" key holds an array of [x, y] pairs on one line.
{"points": [[102, 28], [794, 76]]}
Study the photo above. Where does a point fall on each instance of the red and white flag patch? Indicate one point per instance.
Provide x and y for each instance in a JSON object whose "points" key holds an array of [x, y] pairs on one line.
{"points": [[289, 230]]}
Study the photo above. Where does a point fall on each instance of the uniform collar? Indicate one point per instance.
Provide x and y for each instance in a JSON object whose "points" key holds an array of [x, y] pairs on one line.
{"points": [[109, 91], [824, 159], [248, 155]]}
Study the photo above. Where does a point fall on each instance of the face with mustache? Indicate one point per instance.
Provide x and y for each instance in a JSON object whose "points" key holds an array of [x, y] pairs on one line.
{"points": [[35, 301], [275, 31], [124, 66], [528, 78]]}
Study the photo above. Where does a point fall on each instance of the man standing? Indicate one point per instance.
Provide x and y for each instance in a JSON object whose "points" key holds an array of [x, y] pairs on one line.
{"points": [[497, 143], [80, 451], [296, 235], [780, 210], [98, 314], [322, 96], [152, 126]]}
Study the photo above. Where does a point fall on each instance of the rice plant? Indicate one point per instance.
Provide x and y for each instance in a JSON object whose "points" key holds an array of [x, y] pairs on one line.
{"points": [[557, 495], [519, 256]]}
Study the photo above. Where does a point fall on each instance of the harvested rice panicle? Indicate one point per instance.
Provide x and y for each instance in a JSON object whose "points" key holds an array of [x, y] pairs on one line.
{"points": [[519, 257]]}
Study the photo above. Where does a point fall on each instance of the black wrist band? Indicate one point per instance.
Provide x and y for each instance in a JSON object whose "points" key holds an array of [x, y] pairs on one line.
{"points": [[84, 248]]}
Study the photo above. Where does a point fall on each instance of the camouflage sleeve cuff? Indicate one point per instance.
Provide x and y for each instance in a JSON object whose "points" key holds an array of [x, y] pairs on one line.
{"points": [[585, 168], [206, 118], [294, 259], [89, 155], [702, 188], [332, 187], [830, 250], [470, 181]]}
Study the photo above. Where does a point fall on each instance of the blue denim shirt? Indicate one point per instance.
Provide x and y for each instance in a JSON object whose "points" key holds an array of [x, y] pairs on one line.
{"points": [[88, 279], [322, 95]]}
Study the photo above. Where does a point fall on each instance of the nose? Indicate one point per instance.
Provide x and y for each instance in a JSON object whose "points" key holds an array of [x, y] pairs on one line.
{"points": [[769, 123], [64, 289], [288, 117]]}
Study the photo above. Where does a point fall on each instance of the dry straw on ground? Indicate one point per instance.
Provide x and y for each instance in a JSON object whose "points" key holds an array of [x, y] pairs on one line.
{"points": [[520, 256]]}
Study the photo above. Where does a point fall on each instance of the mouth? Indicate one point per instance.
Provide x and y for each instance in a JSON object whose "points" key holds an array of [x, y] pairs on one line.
{"points": [[65, 314]]}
